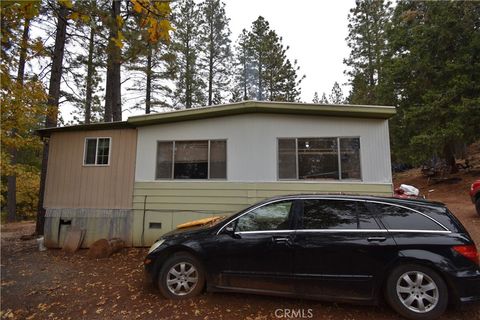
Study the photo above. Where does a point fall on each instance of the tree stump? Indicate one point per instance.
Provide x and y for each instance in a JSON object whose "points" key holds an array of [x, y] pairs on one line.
{"points": [[104, 248]]}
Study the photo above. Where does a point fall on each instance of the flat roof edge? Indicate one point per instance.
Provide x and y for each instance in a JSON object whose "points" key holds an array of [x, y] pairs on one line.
{"points": [[244, 107], [355, 111], [85, 127]]}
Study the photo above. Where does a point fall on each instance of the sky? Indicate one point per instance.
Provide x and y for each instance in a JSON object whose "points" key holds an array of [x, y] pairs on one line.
{"points": [[315, 30]]}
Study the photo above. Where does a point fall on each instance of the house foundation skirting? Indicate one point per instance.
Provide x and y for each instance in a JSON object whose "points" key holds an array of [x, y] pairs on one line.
{"points": [[98, 223]]}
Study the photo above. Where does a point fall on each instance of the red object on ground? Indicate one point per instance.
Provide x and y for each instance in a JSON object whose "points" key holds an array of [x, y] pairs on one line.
{"points": [[475, 190]]}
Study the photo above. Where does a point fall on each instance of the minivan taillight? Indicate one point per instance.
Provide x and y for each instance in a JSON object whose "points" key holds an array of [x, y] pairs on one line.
{"points": [[469, 251]]}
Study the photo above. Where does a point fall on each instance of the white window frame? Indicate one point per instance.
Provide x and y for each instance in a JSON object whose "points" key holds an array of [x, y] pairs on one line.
{"points": [[96, 152], [339, 159], [208, 159]]}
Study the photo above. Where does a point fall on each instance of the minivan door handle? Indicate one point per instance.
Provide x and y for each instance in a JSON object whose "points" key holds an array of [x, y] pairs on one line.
{"points": [[282, 239], [376, 239]]}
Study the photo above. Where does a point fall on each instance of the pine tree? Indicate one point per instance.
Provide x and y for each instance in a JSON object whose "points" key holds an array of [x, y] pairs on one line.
{"points": [[150, 64], [85, 67], [244, 76], [324, 99], [53, 99], [315, 99], [367, 39], [336, 96], [113, 100], [189, 91], [266, 73], [215, 48], [435, 72]]}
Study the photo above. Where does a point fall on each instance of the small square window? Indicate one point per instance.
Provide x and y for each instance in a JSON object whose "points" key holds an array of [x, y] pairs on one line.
{"points": [[97, 151]]}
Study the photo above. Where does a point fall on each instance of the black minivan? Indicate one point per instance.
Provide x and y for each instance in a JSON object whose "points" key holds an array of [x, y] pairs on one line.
{"points": [[414, 253]]}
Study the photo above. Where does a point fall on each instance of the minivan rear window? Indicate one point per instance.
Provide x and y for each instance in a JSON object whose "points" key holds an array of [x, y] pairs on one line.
{"points": [[400, 218]]}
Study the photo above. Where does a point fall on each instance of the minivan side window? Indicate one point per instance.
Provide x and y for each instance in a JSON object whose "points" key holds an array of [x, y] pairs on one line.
{"points": [[399, 218], [366, 218], [273, 216], [329, 214]]}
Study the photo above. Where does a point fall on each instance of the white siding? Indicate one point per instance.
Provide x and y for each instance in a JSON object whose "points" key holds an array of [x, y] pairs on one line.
{"points": [[252, 142]]}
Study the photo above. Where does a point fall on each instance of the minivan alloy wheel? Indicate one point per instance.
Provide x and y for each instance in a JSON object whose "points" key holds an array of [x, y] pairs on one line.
{"points": [[182, 278], [417, 291]]}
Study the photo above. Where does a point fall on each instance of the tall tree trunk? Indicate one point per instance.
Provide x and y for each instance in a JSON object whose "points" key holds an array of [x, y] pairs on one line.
{"points": [[449, 154], [12, 179], [210, 67], [260, 80], [52, 103], [148, 94], [90, 70], [113, 105], [188, 79]]}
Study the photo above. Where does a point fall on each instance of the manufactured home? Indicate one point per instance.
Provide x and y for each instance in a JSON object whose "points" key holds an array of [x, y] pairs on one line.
{"points": [[140, 178]]}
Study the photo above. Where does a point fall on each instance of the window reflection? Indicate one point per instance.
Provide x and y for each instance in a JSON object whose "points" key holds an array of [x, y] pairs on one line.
{"points": [[273, 216]]}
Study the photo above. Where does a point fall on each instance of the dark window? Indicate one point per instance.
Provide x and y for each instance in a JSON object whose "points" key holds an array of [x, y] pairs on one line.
{"points": [[218, 159], [191, 159], [399, 218], [90, 151], [103, 150], [366, 218], [97, 151], [329, 214], [319, 158], [274, 216], [287, 159], [350, 158], [164, 160]]}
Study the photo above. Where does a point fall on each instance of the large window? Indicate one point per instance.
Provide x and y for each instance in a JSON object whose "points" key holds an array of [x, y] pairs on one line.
{"points": [[202, 159], [97, 151], [319, 158]]}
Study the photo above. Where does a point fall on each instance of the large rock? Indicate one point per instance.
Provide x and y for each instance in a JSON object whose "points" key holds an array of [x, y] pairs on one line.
{"points": [[104, 248]]}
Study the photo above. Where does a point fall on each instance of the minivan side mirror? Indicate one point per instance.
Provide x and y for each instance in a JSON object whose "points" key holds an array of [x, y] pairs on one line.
{"points": [[229, 229]]}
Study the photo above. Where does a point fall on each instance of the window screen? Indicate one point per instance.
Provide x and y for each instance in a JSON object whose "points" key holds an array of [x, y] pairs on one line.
{"points": [[218, 159], [273, 216], [329, 214], [399, 218], [191, 160], [164, 159]]}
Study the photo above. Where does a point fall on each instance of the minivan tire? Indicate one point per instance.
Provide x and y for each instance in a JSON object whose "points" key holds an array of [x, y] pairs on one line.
{"points": [[181, 277], [409, 286]]}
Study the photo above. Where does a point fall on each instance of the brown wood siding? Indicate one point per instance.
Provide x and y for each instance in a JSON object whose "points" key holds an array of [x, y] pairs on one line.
{"points": [[70, 184]]}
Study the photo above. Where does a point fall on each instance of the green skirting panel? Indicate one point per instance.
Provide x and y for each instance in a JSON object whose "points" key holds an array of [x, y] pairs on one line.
{"points": [[158, 207]]}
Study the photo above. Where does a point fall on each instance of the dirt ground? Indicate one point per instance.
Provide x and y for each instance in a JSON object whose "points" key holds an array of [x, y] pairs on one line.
{"points": [[54, 285]]}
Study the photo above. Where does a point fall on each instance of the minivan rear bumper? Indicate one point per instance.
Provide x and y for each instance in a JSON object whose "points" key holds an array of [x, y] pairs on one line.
{"points": [[467, 287]]}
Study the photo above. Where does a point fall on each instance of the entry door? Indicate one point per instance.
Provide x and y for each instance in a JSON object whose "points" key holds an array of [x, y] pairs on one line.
{"points": [[260, 252], [339, 250]]}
